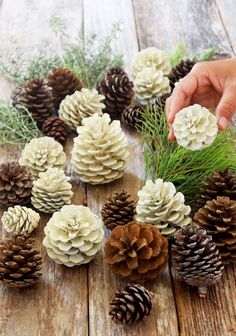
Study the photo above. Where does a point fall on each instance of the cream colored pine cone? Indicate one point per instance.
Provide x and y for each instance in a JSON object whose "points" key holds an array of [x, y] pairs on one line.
{"points": [[150, 84], [20, 220], [100, 150], [195, 127], [51, 191], [73, 235], [151, 58], [160, 204], [42, 153], [80, 105]]}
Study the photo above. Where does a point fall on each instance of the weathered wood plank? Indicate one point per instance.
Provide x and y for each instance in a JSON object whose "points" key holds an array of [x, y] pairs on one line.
{"points": [[165, 23], [102, 283], [198, 24], [57, 305]]}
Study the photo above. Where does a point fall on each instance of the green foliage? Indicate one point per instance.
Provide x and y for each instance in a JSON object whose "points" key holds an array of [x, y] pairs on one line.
{"points": [[87, 57], [16, 125], [206, 55], [185, 168]]}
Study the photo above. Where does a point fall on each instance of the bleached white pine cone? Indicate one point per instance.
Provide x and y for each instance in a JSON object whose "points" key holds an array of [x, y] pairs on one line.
{"points": [[79, 105], [153, 58], [100, 150], [20, 220], [160, 204], [42, 153], [150, 84], [51, 191], [195, 127], [73, 235]]}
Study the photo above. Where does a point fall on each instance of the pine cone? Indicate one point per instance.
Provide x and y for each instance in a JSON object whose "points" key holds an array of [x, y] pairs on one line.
{"points": [[42, 153], [197, 258], [160, 102], [219, 183], [218, 217], [118, 91], [20, 263], [50, 197], [73, 235], [63, 83], [17, 94], [37, 97], [80, 105], [118, 210], [56, 128], [20, 220], [160, 204], [130, 305], [136, 251], [131, 116], [195, 127], [15, 184], [180, 71], [100, 150], [150, 84], [220, 55]]}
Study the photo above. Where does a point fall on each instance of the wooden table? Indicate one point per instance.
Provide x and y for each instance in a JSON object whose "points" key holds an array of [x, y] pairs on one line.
{"points": [[75, 302]]}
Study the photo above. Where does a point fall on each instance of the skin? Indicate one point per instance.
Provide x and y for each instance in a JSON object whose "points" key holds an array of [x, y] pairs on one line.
{"points": [[210, 84]]}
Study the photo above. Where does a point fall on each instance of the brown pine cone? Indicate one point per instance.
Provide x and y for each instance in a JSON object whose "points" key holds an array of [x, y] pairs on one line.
{"points": [[37, 97], [197, 259], [17, 94], [219, 183], [136, 251], [131, 116], [118, 91], [20, 263], [130, 305], [218, 217], [180, 71], [63, 82], [15, 184], [118, 210], [160, 102], [56, 128], [220, 55]]}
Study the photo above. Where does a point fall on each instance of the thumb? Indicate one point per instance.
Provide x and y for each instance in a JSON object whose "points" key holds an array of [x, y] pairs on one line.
{"points": [[226, 108]]}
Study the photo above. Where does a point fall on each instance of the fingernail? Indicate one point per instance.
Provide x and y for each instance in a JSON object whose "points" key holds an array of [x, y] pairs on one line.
{"points": [[222, 123]]}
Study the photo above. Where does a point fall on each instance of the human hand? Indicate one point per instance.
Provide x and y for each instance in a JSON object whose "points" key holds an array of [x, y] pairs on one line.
{"points": [[210, 84]]}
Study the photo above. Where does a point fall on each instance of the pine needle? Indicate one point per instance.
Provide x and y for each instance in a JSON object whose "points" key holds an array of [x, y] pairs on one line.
{"points": [[185, 168], [16, 125]]}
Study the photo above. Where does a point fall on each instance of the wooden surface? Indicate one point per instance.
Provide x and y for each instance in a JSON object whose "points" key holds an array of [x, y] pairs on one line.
{"points": [[71, 302]]}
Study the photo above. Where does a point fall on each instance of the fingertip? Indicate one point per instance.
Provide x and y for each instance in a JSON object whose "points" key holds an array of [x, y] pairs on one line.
{"points": [[171, 135], [222, 123]]}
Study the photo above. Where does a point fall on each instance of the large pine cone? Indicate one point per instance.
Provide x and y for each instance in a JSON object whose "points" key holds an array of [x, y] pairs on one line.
{"points": [[197, 258], [219, 183], [118, 91], [218, 217], [136, 251], [56, 128], [130, 305], [37, 97], [20, 263], [63, 82], [15, 184], [180, 71], [118, 210], [131, 116]]}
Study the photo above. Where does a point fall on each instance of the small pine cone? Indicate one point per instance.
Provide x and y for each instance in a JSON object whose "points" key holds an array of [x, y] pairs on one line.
{"points": [[17, 94], [20, 263], [160, 102], [118, 210], [219, 183], [63, 82], [220, 55], [197, 259], [218, 217], [131, 116], [56, 128], [130, 304], [180, 71], [136, 251], [15, 184], [20, 220], [51, 191], [118, 91]]}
